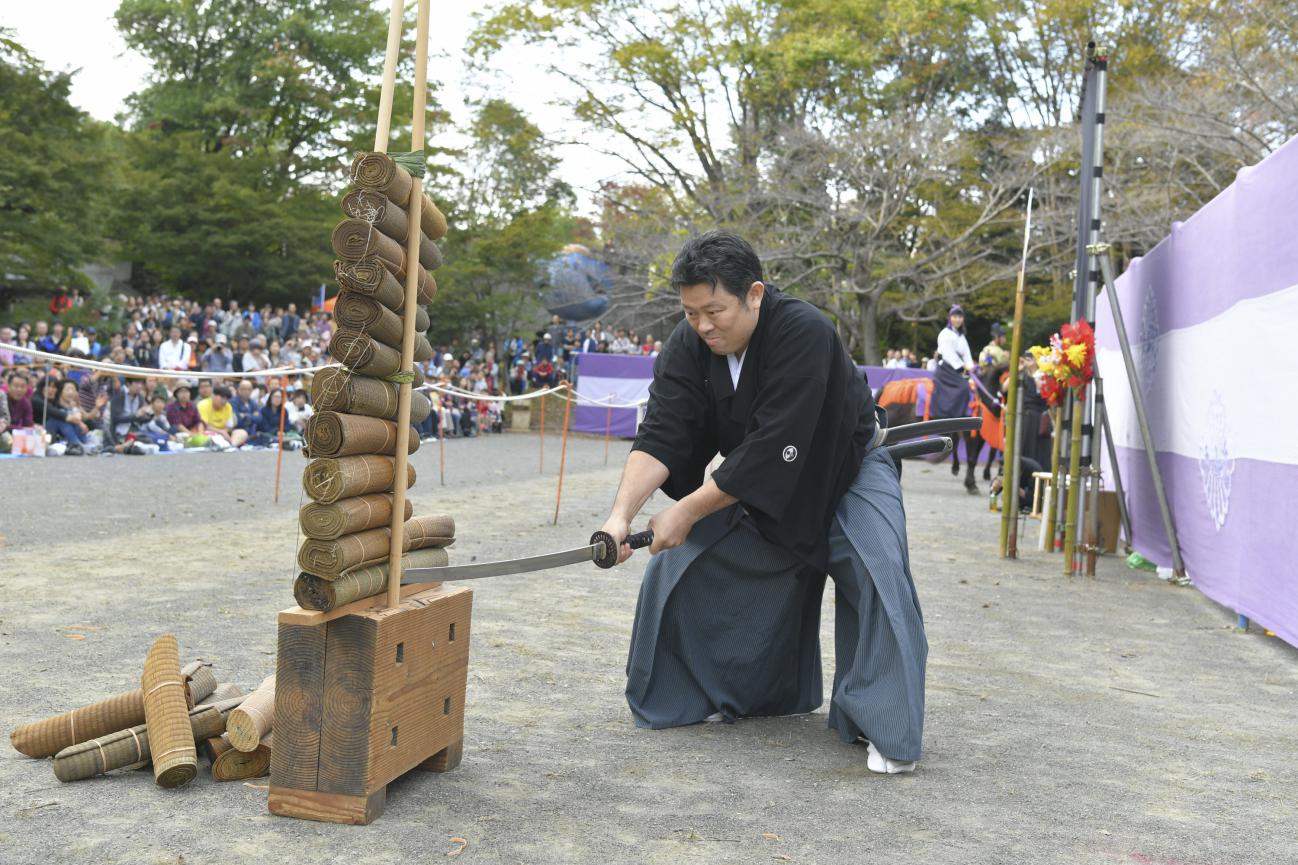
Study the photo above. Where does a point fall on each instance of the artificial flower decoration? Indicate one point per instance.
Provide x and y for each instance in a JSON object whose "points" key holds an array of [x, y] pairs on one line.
{"points": [[1067, 362]]}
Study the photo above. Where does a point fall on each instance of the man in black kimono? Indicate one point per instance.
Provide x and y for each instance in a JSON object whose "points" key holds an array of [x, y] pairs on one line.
{"points": [[728, 620]]}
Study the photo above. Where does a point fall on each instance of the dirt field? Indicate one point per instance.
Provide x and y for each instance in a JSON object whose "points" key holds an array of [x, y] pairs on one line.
{"points": [[1069, 721]]}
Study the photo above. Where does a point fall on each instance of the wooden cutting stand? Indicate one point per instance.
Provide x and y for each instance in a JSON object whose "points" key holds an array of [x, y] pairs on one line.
{"points": [[363, 696]]}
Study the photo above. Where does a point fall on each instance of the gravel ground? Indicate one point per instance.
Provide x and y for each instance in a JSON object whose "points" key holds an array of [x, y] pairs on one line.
{"points": [[1073, 721]]}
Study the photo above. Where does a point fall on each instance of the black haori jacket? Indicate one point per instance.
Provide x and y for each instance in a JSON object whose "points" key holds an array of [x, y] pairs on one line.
{"points": [[793, 433]]}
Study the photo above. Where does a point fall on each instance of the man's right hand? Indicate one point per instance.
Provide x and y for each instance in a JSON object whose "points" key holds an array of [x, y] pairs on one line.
{"points": [[619, 528]]}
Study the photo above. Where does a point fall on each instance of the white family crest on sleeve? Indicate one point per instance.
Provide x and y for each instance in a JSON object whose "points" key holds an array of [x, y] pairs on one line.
{"points": [[790, 453]]}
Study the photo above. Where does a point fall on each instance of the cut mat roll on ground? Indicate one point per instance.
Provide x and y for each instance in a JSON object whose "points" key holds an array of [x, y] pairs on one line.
{"points": [[329, 479], [252, 720], [315, 593], [358, 312], [371, 278], [429, 255], [326, 522], [331, 559], [334, 434], [51, 735], [131, 746], [224, 691], [231, 764], [337, 389], [175, 762], [355, 239], [379, 173]]}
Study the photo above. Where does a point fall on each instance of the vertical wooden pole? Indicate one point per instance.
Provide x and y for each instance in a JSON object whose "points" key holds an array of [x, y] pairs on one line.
{"points": [[413, 270], [441, 448], [1074, 489], [279, 455], [1056, 447], [1010, 412], [563, 449], [540, 469], [384, 129]]}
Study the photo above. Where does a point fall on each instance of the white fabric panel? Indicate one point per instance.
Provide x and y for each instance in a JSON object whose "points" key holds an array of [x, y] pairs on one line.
{"points": [[1218, 387], [619, 391]]}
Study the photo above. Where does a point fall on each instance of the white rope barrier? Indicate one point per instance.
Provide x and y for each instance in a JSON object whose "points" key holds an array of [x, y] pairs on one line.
{"points": [[150, 372], [449, 390]]}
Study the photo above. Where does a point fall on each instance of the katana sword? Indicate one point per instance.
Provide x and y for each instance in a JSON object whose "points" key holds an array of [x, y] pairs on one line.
{"points": [[601, 550]]}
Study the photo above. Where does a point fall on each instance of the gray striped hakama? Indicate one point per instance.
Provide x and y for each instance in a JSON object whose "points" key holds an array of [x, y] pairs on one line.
{"points": [[729, 623]]}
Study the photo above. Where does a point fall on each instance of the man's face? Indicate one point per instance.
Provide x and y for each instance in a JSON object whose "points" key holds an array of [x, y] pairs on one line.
{"points": [[204, 390], [41, 329], [175, 334], [17, 388], [725, 322], [245, 390], [135, 387], [218, 401]]}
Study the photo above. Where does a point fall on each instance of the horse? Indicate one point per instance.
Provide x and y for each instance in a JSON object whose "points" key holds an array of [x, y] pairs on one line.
{"points": [[900, 398]]}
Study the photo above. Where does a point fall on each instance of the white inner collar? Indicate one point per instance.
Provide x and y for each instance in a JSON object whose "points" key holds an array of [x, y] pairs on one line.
{"points": [[735, 364]]}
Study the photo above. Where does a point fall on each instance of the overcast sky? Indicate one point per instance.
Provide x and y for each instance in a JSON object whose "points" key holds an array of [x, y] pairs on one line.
{"points": [[109, 72]]}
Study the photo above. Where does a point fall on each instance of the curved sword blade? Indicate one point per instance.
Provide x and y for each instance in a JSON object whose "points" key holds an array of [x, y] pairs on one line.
{"points": [[480, 570]]}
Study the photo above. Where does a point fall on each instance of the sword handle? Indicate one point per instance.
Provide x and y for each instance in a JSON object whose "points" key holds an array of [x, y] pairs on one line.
{"points": [[608, 557]]}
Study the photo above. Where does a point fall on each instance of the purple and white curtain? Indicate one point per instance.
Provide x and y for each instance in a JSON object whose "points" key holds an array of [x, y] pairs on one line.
{"points": [[1212, 316]]}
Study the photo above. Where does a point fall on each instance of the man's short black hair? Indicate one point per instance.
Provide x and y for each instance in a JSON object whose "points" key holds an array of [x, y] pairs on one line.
{"points": [[719, 259], [222, 390]]}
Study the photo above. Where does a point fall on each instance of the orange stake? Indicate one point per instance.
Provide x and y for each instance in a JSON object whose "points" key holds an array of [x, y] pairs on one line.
{"points": [[541, 468], [608, 425], [563, 450], [279, 455]]}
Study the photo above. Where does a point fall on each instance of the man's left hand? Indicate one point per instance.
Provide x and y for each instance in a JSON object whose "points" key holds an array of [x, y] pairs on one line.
{"points": [[671, 527]]}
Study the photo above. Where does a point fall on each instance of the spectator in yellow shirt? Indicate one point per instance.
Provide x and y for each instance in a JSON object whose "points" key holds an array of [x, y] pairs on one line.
{"points": [[218, 419]]}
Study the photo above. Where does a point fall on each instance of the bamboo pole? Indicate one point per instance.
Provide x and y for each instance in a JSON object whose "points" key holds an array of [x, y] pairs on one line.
{"points": [[1056, 448], [383, 131], [1010, 411], [1074, 488], [413, 238], [540, 468], [279, 454], [563, 450], [441, 450]]}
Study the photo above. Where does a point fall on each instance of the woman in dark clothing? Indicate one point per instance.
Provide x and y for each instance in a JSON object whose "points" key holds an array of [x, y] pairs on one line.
{"points": [[60, 420], [270, 413]]}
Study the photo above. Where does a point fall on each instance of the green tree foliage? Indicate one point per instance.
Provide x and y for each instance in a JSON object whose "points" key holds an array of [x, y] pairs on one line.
{"points": [[508, 214], [54, 174], [878, 151], [237, 141]]}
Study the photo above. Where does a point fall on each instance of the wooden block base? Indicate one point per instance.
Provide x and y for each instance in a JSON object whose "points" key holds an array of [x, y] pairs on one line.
{"points": [[363, 698], [327, 807], [444, 760]]}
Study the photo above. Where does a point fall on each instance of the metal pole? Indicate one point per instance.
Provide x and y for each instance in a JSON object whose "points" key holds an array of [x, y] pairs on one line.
{"points": [[1091, 538], [1138, 399]]}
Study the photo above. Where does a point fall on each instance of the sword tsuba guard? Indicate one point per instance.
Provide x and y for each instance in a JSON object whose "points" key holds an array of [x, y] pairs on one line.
{"points": [[606, 555]]}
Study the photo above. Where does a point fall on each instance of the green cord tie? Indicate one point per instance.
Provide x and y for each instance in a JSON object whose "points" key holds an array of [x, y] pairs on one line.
{"points": [[405, 376], [413, 162]]}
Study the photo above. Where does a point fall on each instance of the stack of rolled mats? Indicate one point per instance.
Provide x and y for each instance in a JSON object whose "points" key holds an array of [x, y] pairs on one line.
{"points": [[160, 724], [352, 438]]}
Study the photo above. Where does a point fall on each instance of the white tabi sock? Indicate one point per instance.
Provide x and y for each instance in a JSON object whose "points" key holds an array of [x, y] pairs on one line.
{"points": [[876, 762]]}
